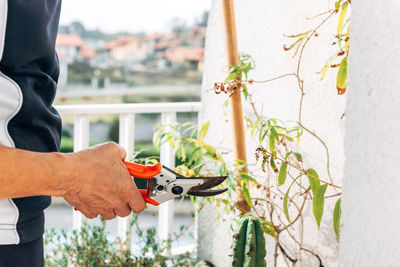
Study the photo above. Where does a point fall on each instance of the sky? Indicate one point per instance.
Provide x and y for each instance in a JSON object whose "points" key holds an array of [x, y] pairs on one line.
{"points": [[131, 15]]}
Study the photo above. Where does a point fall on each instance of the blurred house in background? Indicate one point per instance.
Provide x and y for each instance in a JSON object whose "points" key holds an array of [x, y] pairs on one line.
{"points": [[94, 59], [193, 56], [197, 36], [128, 49], [70, 48]]}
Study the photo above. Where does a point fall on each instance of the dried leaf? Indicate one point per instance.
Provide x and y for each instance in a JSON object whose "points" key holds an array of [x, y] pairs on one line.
{"points": [[298, 35], [327, 65], [292, 45]]}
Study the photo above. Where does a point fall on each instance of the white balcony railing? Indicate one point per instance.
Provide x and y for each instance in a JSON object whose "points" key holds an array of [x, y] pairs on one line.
{"points": [[127, 114]]}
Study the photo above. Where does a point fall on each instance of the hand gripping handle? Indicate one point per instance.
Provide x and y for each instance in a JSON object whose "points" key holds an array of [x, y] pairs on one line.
{"points": [[144, 172]]}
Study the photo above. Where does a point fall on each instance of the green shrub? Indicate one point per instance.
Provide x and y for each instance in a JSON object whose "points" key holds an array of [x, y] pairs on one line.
{"points": [[92, 246]]}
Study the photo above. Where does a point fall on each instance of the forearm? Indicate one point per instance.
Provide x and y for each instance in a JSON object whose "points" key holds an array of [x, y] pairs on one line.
{"points": [[94, 180], [24, 173]]}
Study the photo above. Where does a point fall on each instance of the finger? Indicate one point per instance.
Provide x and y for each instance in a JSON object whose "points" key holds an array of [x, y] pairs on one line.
{"points": [[78, 206], [108, 214], [122, 152], [90, 214], [123, 211], [137, 207], [136, 201]]}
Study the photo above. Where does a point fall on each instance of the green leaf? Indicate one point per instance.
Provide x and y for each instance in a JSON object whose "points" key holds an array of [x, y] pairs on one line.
{"points": [[341, 81], [274, 133], [186, 124], [245, 92], [318, 203], [314, 183], [235, 72], [156, 139], [282, 174], [273, 165], [171, 140], [289, 138], [285, 206], [298, 156], [337, 5], [245, 176], [337, 212], [246, 193], [271, 143], [268, 228], [342, 16], [253, 128], [286, 200], [231, 181], [208, 148], [203, 131], [183, 153]]}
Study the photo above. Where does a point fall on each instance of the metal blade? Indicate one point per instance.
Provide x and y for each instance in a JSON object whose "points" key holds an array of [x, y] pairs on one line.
{"points": [[207, 193], [173, 172], [209, 182]]}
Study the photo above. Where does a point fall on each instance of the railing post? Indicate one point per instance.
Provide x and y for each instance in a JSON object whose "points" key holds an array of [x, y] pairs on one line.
{"points": [[81, 141], [127, 141], [167, 157]]}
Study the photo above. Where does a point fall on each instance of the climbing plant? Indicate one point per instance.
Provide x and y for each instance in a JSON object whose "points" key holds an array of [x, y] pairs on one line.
{"points": [[279, 184]]}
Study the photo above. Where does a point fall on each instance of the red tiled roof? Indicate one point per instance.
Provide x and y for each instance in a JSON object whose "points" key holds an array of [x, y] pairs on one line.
{"points": [[154, 36], [69, 40], [121, 41], [87, 52], [160, 46], [182, 53], [162, 37]]}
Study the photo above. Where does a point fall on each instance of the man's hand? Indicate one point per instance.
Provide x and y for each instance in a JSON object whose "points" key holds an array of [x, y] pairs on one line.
{"points": [[100, 183]]}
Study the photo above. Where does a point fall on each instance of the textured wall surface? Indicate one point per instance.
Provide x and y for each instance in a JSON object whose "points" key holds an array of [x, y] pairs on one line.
{"points": [[261, 28], [371, 200]]}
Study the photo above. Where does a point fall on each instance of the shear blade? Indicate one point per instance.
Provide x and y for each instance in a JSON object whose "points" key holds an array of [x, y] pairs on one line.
{"points": [[207, 193], [208, 182]]}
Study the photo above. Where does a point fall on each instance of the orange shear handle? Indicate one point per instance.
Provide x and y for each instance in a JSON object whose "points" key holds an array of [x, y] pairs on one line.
{"points": [[143, 171], [147, 198]]}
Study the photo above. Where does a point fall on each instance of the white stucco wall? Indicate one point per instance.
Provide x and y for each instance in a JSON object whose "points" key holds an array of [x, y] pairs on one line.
{"points": [[261, 25], [371, 200]]}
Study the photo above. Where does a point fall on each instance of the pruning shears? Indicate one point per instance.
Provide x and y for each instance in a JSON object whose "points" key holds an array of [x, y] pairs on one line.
{"points": [[164, 184]]}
